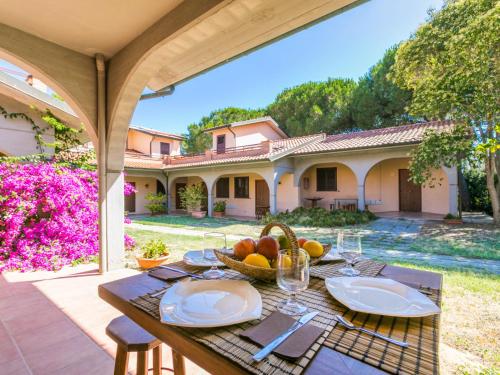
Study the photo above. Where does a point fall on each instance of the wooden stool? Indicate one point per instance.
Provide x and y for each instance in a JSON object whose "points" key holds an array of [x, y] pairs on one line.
{"points": [[132, 338]]}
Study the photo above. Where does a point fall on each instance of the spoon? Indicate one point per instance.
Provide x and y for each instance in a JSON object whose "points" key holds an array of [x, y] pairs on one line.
{"points": [[347, 324]]}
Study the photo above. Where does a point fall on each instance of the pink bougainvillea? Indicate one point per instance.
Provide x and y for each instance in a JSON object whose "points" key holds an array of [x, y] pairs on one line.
{"points": [[48, 216]]}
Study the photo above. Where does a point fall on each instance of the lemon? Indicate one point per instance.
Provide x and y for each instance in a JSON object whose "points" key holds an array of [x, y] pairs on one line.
{"points": [[313, 248], [287, 262], [257, 260]]}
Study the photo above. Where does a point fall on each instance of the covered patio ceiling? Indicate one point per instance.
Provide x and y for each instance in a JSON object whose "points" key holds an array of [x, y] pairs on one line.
{"points": [[99, 56], [196, 40]]}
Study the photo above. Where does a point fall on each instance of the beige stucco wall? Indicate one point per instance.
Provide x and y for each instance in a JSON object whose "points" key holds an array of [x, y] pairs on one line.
{"points": [[142, 191], [240, 206], [382, 188], [246, 135], [141, 142], [17, 137], [346, 186], [287, 197]]}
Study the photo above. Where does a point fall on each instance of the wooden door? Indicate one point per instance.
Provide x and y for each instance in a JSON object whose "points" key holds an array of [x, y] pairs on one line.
{"points": [[221, 144], [178, 187], [410, 194], [261, 198], [130, 200]]}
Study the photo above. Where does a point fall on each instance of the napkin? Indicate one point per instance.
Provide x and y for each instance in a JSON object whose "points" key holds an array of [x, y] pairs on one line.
{"points": [[164, 274], [293, 347]]}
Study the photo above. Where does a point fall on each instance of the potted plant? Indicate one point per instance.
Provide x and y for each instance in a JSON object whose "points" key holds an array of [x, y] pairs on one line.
{"points": [[452, 219], [156, 203], [219, 209], [153, 254], [192, 199]]}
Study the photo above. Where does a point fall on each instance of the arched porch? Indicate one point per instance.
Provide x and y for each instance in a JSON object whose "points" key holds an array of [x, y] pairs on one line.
{"points": [[388, 189], [330, 185]]}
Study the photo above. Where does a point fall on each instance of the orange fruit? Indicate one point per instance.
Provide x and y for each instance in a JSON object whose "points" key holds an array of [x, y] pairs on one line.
{"points": [[313, 248]]}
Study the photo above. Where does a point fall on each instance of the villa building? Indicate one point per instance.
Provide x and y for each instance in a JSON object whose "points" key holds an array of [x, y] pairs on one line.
{"points": [[256, 168]]}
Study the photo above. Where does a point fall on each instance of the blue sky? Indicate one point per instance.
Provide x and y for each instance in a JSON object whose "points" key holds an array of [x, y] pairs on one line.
{"points": [[343, 46]]}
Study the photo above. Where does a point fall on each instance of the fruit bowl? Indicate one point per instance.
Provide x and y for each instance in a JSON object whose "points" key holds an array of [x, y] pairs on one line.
{"points": [[262, 273]]}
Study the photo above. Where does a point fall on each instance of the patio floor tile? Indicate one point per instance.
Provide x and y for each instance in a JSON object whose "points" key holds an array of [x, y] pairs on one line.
{"points": [[54, 323]]}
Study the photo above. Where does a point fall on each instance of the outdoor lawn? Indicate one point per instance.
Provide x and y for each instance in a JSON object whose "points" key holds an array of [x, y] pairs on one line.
{"points": [[468, 345]]}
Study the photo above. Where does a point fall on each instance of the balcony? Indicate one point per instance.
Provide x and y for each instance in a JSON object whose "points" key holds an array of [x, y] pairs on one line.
{"points": [[228, 153]]}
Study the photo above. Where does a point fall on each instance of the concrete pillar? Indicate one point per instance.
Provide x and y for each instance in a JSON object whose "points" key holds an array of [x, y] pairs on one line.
{"points": [[115, 212], [361, 197], [273, 188], [210, 195]]}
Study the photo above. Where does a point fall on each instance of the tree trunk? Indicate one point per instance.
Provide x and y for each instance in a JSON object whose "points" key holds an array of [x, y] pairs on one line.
{"points": [[492, 189]]}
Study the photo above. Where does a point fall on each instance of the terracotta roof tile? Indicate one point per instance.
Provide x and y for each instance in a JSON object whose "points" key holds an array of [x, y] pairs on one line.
{"points": [[398, 135]]}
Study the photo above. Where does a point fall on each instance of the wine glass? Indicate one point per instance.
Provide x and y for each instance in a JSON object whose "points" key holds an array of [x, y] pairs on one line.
{"points": [[292, 275], [213, 241], [349, 248]]}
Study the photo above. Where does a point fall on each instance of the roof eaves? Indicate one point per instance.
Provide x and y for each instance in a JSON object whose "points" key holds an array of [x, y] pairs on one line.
{"points": [[293, 149]]}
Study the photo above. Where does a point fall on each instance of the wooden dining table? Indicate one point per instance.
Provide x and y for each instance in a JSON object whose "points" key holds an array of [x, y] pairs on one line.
{"points": [[119, 293]]}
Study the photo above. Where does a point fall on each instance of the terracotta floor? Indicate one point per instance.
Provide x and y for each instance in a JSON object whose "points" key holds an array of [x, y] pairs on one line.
{"points": [[54, 323]]}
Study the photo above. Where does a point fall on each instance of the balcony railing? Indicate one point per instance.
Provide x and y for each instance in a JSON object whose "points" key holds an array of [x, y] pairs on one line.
{"points": [[228, 153]]}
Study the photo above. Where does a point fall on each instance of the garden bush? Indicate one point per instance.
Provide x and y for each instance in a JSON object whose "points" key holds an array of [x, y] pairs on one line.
{"points": [[319, 217], [48, 216]]}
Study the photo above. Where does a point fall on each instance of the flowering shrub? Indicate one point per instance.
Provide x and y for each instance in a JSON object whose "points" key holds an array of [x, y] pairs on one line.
{"points": [[48, 216]]}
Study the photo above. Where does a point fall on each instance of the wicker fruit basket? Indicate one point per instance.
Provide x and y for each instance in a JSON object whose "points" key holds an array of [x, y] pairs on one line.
{"points": [[261, 273]]}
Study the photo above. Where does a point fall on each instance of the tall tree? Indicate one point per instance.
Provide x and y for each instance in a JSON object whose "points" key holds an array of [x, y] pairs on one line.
{"points": [[377, 101], [198, 141], [314, 107], [452, 66]]}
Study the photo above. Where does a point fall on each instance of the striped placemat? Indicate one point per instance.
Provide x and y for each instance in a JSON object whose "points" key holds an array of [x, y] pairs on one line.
{"points": [[421, 357], [227, 342], [366, 267], [422, 333]]}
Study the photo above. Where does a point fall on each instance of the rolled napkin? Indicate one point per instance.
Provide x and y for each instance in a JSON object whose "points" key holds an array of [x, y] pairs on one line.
{"points": [[293, 347]]}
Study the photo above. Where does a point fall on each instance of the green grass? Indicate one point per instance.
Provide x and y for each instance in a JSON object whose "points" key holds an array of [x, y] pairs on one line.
{"points": [[480, 242]]}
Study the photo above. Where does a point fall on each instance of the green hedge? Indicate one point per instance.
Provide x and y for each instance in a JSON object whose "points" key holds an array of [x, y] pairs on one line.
{"points": [[319, 217]]}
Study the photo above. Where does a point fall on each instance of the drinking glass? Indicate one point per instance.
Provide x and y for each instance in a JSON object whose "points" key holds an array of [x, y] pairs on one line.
{"points": [[213, 241], [349, 248], [292, 275]]}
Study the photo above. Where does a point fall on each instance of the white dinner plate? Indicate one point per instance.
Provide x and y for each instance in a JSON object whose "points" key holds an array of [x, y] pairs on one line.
{"points": [[373, 295], [196, 258], [210, 303]]}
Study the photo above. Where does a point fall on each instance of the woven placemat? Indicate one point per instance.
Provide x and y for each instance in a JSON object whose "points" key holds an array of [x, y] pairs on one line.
{"points": [[421, 357], [366, 267], [227, 342]]}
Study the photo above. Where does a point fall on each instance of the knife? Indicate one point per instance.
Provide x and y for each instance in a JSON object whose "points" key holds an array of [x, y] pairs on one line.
{"points": [[183, 272], [266, 350]]}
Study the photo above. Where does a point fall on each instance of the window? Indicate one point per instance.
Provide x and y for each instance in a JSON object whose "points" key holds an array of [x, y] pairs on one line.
{"points": [[241, 187], [222, 188], [221, 143], [326, 179], [164, 148]]}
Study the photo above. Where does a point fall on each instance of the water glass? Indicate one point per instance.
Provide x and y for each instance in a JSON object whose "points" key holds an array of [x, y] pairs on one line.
{"points": [[292, 276], [213, 241], [349, 248]]}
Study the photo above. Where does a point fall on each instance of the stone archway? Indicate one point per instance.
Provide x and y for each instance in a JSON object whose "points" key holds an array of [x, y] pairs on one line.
{"points": [[333, 183]]}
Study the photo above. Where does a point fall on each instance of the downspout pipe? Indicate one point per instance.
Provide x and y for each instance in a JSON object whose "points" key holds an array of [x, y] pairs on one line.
{"points": [[101, 160]]}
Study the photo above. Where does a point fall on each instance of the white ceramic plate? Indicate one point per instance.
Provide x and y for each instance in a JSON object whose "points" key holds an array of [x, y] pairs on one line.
{"points": [[210, 303], [195, 258], [380, 296]]}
